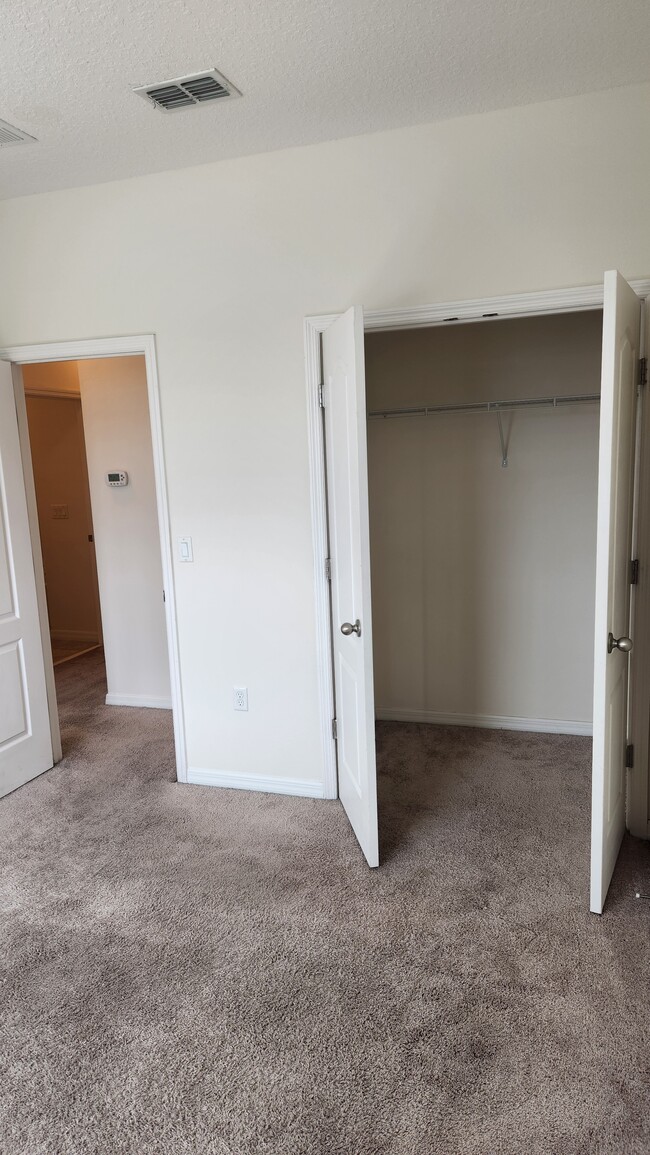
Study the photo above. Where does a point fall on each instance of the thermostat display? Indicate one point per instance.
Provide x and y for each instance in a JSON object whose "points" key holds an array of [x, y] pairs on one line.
{"points": [[119, 477]]}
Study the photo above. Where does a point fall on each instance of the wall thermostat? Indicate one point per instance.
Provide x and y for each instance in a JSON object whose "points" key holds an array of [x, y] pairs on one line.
{"points": [[117, 477]]}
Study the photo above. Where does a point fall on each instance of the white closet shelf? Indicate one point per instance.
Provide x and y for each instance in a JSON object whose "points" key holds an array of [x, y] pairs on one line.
{"points": [[497, 407], [489, 406]]}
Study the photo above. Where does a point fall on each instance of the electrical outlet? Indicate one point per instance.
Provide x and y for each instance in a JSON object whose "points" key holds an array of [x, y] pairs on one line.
{"points": [[240, 697]]}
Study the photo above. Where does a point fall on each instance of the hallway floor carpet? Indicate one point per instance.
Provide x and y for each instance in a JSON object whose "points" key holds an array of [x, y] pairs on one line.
{"points": [[193, 971]]}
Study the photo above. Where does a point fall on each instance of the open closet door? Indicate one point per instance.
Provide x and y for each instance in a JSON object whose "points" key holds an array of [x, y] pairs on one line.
{"points": [[344, 396], [620, 370], [25, 736]]}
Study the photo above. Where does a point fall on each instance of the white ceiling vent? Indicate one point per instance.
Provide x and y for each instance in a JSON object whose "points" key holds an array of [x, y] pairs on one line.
{"points": [[185, 91], [11, 135]]}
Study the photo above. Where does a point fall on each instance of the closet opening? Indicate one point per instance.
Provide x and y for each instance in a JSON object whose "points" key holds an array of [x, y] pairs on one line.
{"points": [[480, 481], [483, 479]]}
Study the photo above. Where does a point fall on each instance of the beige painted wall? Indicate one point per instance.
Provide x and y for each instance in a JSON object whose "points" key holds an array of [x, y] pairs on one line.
{"points": [[483, 577], [118, 436], [61, 479], [223, 261]]}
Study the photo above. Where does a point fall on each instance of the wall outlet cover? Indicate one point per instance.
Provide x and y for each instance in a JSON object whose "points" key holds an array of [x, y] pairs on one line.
{"points": [[240, 697]]}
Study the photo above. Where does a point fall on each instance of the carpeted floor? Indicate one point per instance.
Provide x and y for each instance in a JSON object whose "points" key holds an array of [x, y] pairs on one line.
{"points": [[189, 971]]}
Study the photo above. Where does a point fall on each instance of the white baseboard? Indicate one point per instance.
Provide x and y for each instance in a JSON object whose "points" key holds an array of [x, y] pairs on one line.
{"points": [[234, 781], [83, 637], [78, 653], [138, 700], [487, 721]]}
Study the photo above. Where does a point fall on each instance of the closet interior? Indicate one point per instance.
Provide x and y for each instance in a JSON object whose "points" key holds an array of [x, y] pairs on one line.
{"points": [[483, 472]]}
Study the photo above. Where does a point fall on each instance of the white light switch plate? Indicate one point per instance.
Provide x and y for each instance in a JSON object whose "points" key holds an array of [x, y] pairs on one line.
{"points": [[185, 550]]}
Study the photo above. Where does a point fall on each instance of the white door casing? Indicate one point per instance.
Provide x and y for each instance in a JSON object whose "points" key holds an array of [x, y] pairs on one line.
{"points": [[25, 735], [344, 394], [621, 332], [638, 779], [145, 345]]}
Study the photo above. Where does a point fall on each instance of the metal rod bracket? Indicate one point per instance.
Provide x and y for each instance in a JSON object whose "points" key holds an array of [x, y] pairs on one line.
{"points": [[504, 447]]}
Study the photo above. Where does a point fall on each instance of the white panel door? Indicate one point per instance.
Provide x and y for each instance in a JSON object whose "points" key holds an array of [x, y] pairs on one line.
{"points": [[347, 494], [621, 332], [25, 737]]}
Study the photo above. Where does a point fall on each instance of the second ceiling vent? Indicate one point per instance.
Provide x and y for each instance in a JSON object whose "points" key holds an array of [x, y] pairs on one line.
{"points": [[185, 91], [11, 135]]}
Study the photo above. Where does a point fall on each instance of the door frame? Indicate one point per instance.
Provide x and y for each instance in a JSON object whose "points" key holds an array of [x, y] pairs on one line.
{"points": [[638, 800], [553, 301], [141, 345]]}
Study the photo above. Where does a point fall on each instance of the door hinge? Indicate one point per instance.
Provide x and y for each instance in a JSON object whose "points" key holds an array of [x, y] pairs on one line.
{"points": [[321, 395], [634, 572], [164, 598], [335, 729], [643, 371], [629, 757], [328, 569]]}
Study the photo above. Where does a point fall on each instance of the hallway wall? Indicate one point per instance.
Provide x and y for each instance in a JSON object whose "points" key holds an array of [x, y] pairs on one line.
{"points": [[118, 436]]}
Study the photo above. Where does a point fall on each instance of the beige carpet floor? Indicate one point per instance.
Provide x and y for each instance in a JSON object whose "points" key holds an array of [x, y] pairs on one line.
{"points": [[188, 971]]}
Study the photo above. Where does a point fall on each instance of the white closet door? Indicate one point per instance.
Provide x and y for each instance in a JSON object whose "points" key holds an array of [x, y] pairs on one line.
{"points": [[347, 493], [25, 737], [621, 332]]}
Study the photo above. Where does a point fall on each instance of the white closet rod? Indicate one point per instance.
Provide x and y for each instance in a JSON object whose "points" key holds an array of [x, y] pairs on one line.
{"points": [[488, 406], [497, 407]]}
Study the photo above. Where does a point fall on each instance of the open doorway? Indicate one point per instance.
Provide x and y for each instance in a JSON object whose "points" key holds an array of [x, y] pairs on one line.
{"points": [[92, 459], [128, 646]]}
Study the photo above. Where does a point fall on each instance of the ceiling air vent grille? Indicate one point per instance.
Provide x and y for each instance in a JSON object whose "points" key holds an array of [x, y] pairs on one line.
{"points": [[186, 91], [11, 135]]}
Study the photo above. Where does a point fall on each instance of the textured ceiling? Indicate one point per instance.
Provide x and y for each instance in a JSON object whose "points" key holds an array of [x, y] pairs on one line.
{"points": [[308, 72]]}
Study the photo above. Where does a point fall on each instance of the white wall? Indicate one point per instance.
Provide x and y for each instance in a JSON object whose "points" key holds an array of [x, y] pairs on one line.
{"points": [[60, 478], [118, 436], [483, 577], [222, 263]]}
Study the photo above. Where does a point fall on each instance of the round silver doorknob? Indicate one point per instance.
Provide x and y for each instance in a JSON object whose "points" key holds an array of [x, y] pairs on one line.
{"points": [[347, 628], [623, 644]]}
